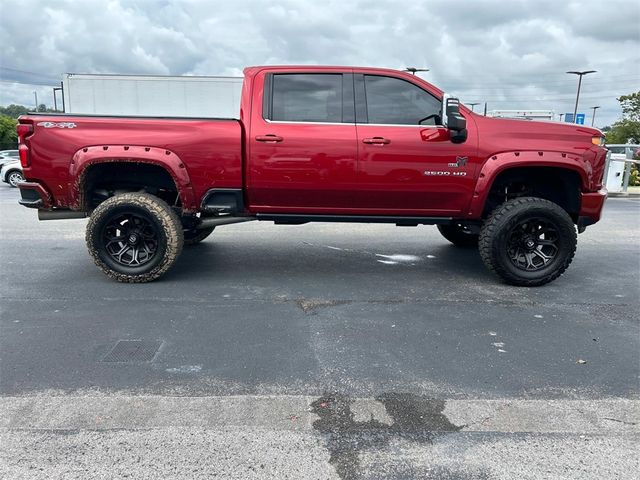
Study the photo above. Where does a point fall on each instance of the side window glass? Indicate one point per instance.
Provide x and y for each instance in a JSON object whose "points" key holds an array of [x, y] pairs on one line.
{"points": [[307, 98], [398, 102]]}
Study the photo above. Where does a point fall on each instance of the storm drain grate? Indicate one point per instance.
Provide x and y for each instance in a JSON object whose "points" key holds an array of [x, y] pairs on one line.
{"points": [[133, 351]]}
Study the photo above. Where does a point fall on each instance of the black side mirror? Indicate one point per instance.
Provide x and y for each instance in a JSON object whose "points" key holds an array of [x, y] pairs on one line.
{"points": [[454, 119]]}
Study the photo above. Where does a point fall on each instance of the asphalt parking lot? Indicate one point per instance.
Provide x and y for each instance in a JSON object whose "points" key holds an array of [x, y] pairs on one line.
{"points": [[317, 351]]}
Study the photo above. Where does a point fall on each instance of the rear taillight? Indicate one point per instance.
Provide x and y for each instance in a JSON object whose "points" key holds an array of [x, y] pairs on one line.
{"points": [[24, 130]]}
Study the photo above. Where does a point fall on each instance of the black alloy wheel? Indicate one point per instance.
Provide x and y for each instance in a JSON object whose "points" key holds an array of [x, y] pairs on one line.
{"points": [[528, 241], [134, 237], [130, 238], [533, 244]]}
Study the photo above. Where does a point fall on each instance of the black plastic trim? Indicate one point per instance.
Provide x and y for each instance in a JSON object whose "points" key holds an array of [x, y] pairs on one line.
{"points": [[223, 200], [297, 219], [360, 99], [583, 223], [31, 203], [267, 96], [30, 198], [348, 99]]}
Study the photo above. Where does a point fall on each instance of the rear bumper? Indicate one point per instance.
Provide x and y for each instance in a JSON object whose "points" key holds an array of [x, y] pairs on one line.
{"points": [[34, 195], [591, 205]]}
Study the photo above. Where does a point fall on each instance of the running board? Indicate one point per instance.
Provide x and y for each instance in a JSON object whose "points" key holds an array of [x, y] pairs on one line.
{"points": [[217, 221], [298, 219]]}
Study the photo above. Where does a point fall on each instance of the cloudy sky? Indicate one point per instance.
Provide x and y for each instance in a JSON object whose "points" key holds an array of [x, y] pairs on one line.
{"points": [[511, 54]]}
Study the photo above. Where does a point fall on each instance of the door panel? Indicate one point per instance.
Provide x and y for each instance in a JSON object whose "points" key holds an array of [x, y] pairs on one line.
{"points": [[303, 161], [412, 172], [405, 167]]}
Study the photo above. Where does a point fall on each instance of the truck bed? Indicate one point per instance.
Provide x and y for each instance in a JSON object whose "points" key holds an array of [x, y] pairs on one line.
{"points": [[208, 148]]}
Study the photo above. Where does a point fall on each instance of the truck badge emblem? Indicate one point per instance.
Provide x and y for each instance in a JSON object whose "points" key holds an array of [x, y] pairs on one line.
{"points": [[58, 124], [460, 162]]}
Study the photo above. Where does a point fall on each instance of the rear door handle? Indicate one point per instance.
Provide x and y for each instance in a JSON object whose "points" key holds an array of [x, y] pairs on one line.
{"points": [[269, 138], [376, 141]]}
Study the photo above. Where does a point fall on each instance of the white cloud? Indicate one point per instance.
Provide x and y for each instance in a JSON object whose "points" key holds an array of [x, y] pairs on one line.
{"points": [[510, 54]]}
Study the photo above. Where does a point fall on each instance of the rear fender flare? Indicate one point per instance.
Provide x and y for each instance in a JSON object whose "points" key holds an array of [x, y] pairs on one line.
{"points": [[168, 160], [500, 162]]}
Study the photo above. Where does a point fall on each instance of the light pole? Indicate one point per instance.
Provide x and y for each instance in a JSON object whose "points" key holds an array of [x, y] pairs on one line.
{"points": [[580, 75], [413, 70], [473, 105], [55, 103], [561, 115], [593, 118]]}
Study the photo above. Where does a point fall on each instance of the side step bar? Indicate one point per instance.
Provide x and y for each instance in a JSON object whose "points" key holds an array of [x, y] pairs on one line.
{"points": [[298, 219], [216, 221]]}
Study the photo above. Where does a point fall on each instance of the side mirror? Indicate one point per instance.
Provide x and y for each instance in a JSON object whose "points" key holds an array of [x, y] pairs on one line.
{"points": [[453, 119]]}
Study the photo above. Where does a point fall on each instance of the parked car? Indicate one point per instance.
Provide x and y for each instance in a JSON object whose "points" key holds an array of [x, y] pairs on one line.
{"points": [[7, 156], [11, 173], [328, 144]]}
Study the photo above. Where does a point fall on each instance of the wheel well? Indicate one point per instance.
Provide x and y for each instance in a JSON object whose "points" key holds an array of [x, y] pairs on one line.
{"points": [[104, 180], [558, 185]]}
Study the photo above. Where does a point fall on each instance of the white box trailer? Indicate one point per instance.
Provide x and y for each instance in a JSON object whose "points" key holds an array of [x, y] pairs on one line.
{"points": [[152, 95]]}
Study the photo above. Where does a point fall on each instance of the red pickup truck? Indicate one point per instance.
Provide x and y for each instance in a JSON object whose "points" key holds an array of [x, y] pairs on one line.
{"points": [[328, 144]]}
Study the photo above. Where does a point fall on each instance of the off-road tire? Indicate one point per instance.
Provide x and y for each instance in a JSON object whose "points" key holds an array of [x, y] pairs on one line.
{"points": [[193, 236], [458, 235], [495, 232], [168, 227], [14, 177]]}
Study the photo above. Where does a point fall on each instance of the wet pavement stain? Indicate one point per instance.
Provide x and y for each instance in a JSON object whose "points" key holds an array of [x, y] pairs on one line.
{"points": [[416, 418]]}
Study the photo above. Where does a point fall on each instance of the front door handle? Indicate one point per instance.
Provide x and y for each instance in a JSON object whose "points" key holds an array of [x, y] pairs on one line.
{"points": [[376, 141], [269, 138]]}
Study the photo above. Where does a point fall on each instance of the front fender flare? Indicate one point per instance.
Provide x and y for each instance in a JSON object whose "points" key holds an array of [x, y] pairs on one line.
{"points": [[500, 162], [168, 160]]}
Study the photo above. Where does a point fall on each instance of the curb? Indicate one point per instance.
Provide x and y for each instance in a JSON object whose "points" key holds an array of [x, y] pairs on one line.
{"points": [[623, 194]]}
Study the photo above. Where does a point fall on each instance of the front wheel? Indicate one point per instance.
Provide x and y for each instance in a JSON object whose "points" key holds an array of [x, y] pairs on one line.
{"points": [[528, 241], [14, 178], [134, 237]]}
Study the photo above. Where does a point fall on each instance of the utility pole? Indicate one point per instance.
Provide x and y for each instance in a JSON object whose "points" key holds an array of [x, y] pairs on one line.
{"points": [[485, 109], [473, 105], [35, 94], [413, 70], [593, 118], [580, 75]]}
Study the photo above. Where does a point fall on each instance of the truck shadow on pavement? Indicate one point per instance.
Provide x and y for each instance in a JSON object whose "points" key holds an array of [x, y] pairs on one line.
{"points": [[411, 417], [263, 260]]}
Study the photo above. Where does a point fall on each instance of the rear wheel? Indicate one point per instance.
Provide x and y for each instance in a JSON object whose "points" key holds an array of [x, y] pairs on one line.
{"points": [[528, 241], [193, 235], [459, 235], [134, 237], [14, 178]]}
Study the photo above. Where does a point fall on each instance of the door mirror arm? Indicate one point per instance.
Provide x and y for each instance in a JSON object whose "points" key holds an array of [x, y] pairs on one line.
{"points": [[453, 119]]}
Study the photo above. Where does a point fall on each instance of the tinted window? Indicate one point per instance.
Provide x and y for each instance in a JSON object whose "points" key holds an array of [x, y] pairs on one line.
{"points": [[307, 98], [397, 102]]}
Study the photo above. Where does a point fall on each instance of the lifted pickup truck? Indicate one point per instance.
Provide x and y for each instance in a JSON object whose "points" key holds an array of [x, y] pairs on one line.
{"points": [[328, 144]]}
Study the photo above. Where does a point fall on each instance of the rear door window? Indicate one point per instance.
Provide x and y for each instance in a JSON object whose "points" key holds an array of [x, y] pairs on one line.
{"points": [[307, 98]]}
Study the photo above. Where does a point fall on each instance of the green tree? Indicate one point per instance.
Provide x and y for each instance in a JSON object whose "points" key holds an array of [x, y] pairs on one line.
{"points": [[630, 106], [8, 135], [14, 111], [627, 129]]}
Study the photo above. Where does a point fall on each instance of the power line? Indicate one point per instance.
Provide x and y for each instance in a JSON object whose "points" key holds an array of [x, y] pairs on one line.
{"points": [[27, 72], [18, 82]]}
